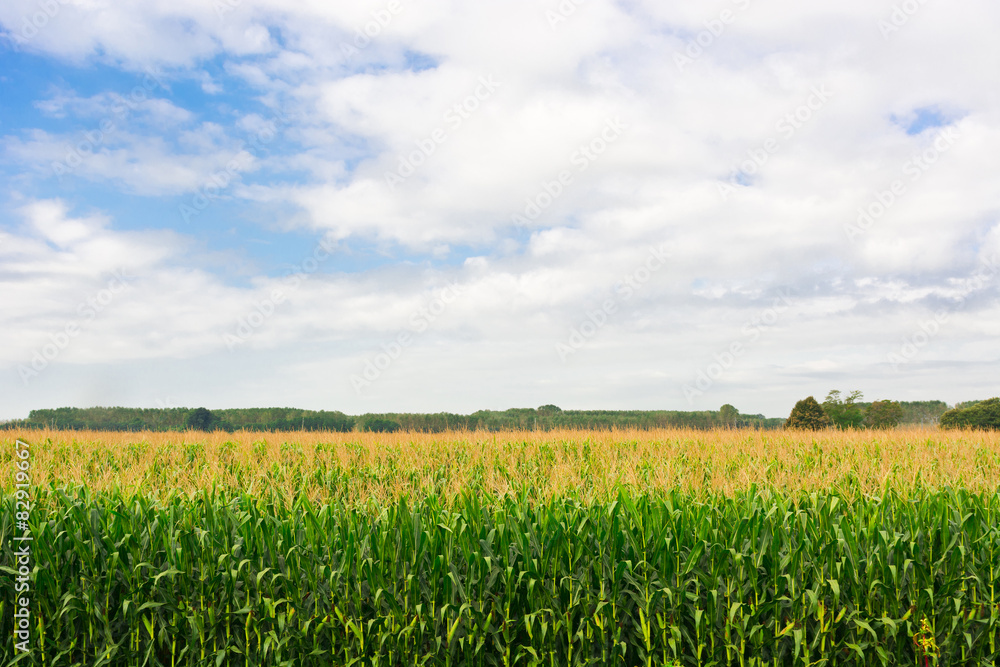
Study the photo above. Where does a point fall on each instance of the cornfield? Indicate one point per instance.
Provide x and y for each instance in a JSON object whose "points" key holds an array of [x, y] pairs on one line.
{"points": [[534, 567], [379, 468]]}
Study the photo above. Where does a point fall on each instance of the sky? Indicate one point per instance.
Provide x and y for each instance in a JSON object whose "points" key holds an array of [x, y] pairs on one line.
{"points": [[392, 206]]}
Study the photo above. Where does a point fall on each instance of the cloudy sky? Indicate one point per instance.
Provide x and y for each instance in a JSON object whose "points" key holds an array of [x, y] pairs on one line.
{"points": [[392, 205]]}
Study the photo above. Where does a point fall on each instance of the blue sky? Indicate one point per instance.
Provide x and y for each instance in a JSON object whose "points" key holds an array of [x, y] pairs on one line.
{"points": [[385, 206]]}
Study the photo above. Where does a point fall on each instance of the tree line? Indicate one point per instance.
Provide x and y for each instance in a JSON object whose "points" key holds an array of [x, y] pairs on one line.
{"points": [[546, 417], [838, 411]]}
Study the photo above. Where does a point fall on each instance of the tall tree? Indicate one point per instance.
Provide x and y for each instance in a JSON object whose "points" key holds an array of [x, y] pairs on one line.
{"points": [[808, 414], [844, 413], [201, 419], [728, 415]]}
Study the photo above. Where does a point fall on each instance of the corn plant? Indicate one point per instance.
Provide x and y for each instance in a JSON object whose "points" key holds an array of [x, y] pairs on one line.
{"points": [[760, 578]]}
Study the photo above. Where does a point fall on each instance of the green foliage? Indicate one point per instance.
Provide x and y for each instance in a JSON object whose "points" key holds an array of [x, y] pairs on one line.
{"points": [[844, 413], [175, 419], [883, 414], [917, 412], [377, 424], [982, 415], [728, 415], [808, 414], [545, 418], [922, 412], [201, 419], [755, 580]]}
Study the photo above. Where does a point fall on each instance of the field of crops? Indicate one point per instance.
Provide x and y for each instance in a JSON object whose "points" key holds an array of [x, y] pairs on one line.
{"points": [[558, 548], [379, 468]]}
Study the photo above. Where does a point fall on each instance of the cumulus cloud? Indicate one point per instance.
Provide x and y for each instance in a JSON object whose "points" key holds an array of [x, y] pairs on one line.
{"points": [[838, 157]]}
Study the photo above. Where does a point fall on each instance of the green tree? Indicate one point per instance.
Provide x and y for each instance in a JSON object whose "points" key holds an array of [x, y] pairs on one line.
{"points": [[378, 424], [983, 415], [728, 415], [808, 414], [883, 414], [201, 419], [844, 413]]}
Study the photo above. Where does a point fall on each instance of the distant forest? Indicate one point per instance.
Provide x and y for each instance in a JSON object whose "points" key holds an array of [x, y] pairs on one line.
{"points": [[546, 417]]}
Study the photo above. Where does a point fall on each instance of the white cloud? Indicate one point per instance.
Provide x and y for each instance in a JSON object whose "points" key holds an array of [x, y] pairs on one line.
{"points": [[137, 163], [750, 91]]}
